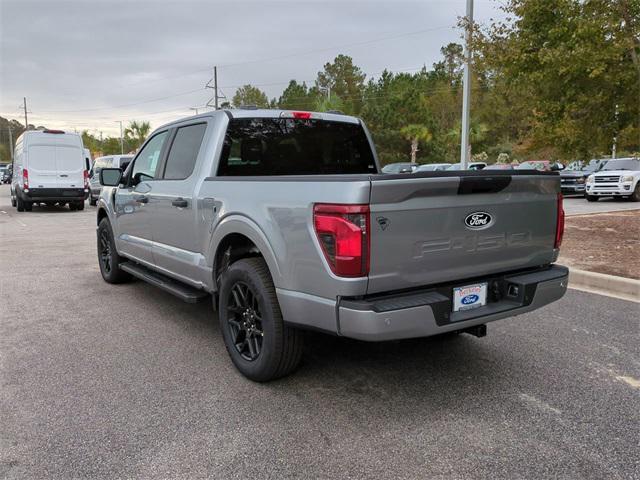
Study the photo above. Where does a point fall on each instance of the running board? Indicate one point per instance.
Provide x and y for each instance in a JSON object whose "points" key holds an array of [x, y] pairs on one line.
{"points": [[174, 287]]}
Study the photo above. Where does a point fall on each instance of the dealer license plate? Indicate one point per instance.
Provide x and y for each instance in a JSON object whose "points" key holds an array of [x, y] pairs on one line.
{"points": [[470, 296]]}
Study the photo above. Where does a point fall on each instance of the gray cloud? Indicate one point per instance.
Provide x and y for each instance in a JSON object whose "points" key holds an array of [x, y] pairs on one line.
{"points": [[79, 62]]}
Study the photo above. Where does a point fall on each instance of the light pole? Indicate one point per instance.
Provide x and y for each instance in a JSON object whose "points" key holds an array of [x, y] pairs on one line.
{"points": [[466, 89], [121, 138]]}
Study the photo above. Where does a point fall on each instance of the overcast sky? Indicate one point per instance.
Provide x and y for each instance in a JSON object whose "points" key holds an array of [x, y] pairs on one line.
{"points": [[87, 64]]}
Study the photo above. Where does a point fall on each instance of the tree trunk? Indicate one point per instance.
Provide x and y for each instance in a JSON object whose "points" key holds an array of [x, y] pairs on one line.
{"points": [[414, 149]]}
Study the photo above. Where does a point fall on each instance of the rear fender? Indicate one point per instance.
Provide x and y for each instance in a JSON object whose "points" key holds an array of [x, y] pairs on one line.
{"points": [[245, 226]]}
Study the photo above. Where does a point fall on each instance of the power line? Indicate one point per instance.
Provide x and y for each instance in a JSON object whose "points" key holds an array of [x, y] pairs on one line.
{"points": [[335, 47], [292, 55], [126, 104]]}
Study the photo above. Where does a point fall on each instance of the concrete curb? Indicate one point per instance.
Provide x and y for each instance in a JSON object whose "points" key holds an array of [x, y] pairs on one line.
{"points": [[585, 214], [609, 285]]}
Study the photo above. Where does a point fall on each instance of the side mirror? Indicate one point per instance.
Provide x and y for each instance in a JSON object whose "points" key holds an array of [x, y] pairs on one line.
{"points": [[110, 177]]}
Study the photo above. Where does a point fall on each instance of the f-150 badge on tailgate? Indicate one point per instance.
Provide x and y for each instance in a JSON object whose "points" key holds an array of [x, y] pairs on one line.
{"points": [[478, 220]]}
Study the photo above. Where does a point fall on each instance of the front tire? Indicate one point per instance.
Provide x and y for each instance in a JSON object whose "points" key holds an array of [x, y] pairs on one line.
{"points": [[108, 257], [591, 198], [635, 196], [259, 343]]}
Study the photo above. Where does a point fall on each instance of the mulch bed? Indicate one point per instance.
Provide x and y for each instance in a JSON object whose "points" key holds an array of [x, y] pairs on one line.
{"points": [[604, 243]]}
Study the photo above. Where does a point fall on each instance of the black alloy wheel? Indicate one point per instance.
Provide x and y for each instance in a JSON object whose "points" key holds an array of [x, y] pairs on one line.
{"points": [[105, 251], [245, 321]]}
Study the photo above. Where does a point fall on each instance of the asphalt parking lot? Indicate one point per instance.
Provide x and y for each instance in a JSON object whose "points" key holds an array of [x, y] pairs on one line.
{"points": [[104, 381]]}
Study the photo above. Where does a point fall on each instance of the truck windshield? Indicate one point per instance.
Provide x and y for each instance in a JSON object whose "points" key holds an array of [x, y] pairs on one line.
{"points": [[623, 164], [278, 146]]}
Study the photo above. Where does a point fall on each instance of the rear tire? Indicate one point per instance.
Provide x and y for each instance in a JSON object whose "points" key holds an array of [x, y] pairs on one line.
{"points": [[591, 198], [92, 201], [20, 204], [108, 258], [28, 206], [80, 206], [72, 206], [13, 201], [259, 343]]}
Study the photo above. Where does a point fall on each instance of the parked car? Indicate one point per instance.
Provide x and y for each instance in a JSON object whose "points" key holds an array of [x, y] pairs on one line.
{"points": [[432, 167], [574, 177], [618, 179], [399, 167], [283, 218], [499, 166], [3, 172], [7, 175], [110, 161], [49, 167], [470, 166], [541, 165]]}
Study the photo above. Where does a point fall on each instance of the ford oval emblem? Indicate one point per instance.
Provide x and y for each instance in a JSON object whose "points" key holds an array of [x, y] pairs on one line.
{"points": [[470, 299], [478, 220]]}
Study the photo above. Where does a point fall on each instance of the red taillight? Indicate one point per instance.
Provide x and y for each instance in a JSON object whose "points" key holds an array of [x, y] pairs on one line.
{"points": [[86, 179], [343, 233], [302, 115], [559, 223], [25, 178]]}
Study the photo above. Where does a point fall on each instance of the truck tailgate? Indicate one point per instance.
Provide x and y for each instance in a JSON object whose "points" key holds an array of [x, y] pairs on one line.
{"points": [[454, 226]]}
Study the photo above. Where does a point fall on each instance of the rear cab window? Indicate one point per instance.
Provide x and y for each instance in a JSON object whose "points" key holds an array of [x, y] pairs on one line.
{"points": [[286, 146], [184, 152]]}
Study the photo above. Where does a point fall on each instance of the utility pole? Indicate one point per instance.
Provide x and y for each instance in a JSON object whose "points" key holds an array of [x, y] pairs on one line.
{"points": [[215, 86], [121, 138], [24, 107], [614, 147], [465, 149], [216, 97], [10, 142]]}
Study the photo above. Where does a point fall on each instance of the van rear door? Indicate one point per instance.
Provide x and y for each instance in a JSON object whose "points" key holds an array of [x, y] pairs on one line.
{"points": [[69, 165], [41, 165]]}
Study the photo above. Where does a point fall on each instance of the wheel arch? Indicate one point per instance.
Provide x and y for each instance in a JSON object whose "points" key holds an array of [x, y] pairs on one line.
{"points": [[240, 237]]}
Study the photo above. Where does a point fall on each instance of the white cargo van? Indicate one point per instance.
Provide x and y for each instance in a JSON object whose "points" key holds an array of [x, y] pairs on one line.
{"points": [[49, 167]]}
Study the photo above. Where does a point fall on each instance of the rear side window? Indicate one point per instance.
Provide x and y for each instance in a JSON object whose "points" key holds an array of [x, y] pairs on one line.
{"points": [[278, 146], [184, 152]]}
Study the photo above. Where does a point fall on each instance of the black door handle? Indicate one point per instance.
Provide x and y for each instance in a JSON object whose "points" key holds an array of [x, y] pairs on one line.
{"points": [[180, 202], [142, 199]]}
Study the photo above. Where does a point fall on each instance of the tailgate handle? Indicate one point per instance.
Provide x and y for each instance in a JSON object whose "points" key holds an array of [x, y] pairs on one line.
{"points": [[180, 202], [483, 184]]}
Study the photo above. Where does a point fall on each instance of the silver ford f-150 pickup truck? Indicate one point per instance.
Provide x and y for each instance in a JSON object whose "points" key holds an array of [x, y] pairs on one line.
{"points": [[284, 218]]}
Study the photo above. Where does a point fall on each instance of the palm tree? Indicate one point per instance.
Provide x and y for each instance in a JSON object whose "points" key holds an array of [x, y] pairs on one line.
{"points": [[416, 133], [137, 132]]}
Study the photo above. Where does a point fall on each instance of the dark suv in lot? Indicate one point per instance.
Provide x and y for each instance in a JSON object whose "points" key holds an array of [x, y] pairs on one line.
{"points": [[574, 177]]}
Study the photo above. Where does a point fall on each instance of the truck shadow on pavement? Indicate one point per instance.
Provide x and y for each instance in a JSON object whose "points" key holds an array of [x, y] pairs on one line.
{"points": [[423, 370]]}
